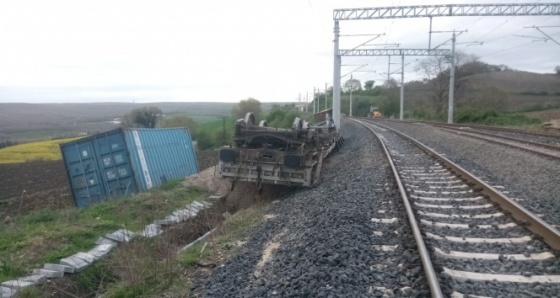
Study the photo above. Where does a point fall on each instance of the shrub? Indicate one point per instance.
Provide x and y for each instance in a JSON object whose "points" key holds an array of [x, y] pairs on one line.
{"points": [[204, 140]]}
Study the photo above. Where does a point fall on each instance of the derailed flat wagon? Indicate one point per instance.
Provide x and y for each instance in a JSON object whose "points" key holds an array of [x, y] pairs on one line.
{"points": [[291, 157]]}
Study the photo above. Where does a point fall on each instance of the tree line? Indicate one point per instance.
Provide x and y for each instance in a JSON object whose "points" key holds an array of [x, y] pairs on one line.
{"points": [[7, 143], [215, 133]]}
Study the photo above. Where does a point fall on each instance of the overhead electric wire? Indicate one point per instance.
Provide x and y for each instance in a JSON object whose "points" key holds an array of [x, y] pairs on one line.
{"points": [[508, 49]]}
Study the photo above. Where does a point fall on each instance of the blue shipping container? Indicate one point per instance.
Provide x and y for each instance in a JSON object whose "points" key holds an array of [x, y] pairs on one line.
{"points": [[126, 161]]}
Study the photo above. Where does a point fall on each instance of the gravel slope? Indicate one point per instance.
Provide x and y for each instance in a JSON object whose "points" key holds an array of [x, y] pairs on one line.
{"points": [[532, 180], [322, 242]]}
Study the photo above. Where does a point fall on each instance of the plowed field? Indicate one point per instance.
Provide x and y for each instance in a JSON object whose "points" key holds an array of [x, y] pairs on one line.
{"points": [[32, 185]]}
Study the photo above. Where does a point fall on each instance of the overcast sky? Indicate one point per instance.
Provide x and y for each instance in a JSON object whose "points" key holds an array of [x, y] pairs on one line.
{"points": [[224, 50]]}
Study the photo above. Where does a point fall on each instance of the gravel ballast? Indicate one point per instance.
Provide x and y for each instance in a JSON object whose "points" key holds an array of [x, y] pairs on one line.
{"points": [[323, 241], [530, 179], [436, 197]]}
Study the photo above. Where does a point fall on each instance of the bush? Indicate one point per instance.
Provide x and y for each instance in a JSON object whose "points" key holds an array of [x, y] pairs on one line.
{"points": [[282, 117], [204, 140], [180, 121]]}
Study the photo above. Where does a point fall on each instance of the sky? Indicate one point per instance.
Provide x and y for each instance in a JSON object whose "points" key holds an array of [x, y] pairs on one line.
{"points": [[226, 51]]}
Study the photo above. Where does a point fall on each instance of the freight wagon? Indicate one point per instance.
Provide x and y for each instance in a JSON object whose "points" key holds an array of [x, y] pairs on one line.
{"points": [[291, 157]]}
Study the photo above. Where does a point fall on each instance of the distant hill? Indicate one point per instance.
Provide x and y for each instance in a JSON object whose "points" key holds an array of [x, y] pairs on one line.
{"points": [[521, 81], [526, 91], [38, 121]]}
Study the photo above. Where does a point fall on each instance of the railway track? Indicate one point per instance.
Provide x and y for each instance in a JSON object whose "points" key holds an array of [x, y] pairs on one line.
{"points": [[473, 240], [547, 146]]}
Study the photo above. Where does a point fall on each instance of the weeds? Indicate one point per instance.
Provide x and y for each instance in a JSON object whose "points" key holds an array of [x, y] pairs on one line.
{"points": [[171, 184], [226, 239], [152, 267], [48, 235], [7, 271]]}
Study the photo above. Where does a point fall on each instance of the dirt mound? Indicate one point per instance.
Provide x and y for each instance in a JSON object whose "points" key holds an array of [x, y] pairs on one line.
{"points": [[207, 181], [243, 193]]}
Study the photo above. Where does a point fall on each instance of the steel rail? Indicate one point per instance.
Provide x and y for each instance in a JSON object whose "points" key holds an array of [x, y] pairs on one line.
{"points": [[549, 234], [424, 255], [475, 131], [550, 133], [496, 140], [470, 133]]}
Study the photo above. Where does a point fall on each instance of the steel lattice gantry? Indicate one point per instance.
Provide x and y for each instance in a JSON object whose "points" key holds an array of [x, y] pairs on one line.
{"points": [[448, 10], [394, 52], [423, 11]]}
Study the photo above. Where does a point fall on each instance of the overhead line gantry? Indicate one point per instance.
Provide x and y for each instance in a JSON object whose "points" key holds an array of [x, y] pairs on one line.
{"points": [[425, 11]]}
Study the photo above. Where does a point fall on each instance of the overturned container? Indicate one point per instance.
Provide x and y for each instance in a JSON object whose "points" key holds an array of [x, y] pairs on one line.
{"points": [[126, 161]]}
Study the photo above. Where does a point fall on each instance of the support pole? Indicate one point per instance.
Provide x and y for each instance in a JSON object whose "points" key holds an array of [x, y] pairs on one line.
{"points": [[314, 102], [389, 69], [451, 81], [430, 36], [350, 113], [326, 98], [306, 101], [402, 88], [336, 78]]}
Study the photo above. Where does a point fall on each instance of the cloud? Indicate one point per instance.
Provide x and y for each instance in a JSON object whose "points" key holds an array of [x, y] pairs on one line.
{"points": [[218, 50]]}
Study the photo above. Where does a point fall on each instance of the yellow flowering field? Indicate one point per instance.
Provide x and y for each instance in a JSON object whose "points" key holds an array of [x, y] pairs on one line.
{"points": [[42, 150]]}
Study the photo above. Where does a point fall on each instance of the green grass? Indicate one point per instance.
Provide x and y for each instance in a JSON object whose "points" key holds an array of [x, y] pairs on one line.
{"points": [[493, 117], [150, 267], [43, 150], [217, 125], [211, 134], [48, 235]]}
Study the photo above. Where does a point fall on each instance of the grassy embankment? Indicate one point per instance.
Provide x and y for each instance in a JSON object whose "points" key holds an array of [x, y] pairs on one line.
{"points": [[153, 267], [493, 117], [42, 236], [43, 150]]}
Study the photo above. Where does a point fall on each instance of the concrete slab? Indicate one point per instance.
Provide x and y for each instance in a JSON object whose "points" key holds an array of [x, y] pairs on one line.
{"points": [[59, 267], [24, 281], [164, 222], [48, 273], [192, 212], [183, 214], [194, 209], [35, 278], [101, 250], [151, 230], [197, 204], [103, 240], [174, 218], [16, 284], [180, 212], [77, 263], [122, 235], [215, 197], [6, 292], [85, 256]]}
